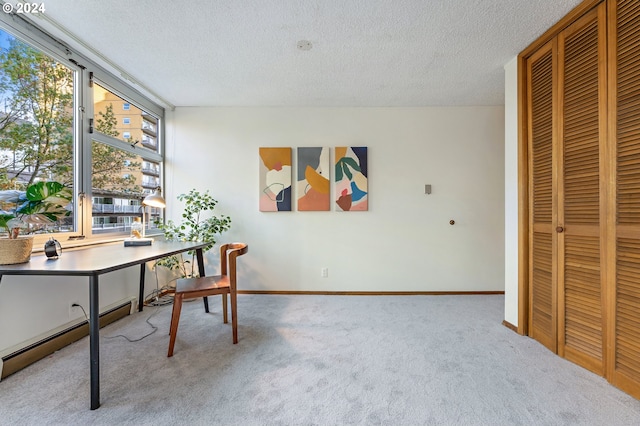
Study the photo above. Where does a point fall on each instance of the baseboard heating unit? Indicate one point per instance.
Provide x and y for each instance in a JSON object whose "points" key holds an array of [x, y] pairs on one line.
{"points": [[26, 356]]}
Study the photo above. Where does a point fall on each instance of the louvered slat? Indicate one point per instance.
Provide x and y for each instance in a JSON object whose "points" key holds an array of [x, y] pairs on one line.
{"points": [[581, 127], [541, 107], [583, 307], [541, 284]]}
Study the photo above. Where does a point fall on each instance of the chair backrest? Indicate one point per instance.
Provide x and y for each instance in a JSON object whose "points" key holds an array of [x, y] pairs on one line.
{"points": [[231, 251]]}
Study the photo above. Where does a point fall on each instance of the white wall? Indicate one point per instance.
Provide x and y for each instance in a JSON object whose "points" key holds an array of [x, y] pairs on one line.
{"points": [[32, 307], [511, 192], [403, 243]]}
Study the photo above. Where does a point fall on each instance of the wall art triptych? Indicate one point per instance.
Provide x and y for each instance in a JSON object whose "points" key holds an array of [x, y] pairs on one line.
{"points": [[313, 187]]}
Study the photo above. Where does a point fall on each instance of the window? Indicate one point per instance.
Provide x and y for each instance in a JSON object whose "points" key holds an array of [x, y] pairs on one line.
{"points": [[110, 161], [121, 159], [37, 138]]}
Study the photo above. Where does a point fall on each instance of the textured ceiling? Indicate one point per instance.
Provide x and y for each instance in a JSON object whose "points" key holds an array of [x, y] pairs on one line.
{"points": [[364, 52]]}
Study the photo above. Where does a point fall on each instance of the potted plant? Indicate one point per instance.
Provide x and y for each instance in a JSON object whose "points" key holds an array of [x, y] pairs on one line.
{"points": [[197, 225], [41, 204]]}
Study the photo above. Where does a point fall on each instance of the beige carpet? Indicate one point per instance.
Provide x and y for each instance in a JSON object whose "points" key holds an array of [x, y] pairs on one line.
{"points": [[319, 360]]}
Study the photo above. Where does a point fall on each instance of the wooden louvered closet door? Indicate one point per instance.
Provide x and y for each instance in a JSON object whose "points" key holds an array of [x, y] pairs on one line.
{"points": [[542, 276], [582, 128], [582, 132], [624, 79], [566, 107]]}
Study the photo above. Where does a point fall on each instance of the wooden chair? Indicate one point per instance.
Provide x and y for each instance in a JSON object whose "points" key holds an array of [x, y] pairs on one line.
{"points": [[223, 284]]}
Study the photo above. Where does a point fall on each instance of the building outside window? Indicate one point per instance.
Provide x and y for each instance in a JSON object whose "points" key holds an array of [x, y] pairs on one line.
{"points": [[132, 175]]}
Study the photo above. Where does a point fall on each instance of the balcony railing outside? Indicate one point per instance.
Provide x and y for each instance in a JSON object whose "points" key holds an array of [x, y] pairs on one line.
{"points": [[149, 142], [148, 126], [99, 228], [114, 208], [151, 171], [150, 182]]}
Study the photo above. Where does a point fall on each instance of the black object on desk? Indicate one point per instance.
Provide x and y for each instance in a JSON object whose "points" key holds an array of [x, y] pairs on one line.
{"points": [[97, 260], [134, 242], [52, 248]]}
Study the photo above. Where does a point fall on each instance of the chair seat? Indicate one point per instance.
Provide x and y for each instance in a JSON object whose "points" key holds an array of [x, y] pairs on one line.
{"points": [[187, 285]]}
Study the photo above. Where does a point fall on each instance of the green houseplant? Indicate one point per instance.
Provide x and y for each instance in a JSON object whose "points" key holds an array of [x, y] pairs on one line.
{"points": [[27, 212], [197, 224]]}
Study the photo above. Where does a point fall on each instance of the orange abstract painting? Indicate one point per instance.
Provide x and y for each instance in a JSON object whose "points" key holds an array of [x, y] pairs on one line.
{"points": [[313, 179], [275, 179]]}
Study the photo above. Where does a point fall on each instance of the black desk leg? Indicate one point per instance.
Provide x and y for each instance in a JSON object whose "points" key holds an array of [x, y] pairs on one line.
{"points": [[201, 273], [200, 262], [141, 295], [94, 337]]}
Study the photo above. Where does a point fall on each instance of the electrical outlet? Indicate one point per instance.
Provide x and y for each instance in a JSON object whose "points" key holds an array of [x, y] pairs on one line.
{"points": [[324, 272], [74, 311]]}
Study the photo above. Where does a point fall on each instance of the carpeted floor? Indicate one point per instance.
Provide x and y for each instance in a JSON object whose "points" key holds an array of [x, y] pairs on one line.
{"points": [[319, 360]]}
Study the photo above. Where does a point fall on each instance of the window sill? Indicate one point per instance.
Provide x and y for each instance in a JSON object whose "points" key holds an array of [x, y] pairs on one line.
{"points": [[68, 243]]}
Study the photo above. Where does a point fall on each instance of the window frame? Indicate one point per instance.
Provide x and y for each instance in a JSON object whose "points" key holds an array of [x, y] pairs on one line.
{"points": [[86, 72]]}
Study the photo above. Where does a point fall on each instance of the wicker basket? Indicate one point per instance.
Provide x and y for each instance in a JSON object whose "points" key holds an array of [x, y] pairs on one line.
{"points": [[15, 251]]}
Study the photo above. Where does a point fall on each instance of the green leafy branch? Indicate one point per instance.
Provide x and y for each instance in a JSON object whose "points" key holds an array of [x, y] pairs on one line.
{"points": [[196, 225]]}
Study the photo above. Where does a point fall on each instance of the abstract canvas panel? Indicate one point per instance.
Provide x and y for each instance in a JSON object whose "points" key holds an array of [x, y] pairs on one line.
{"points": [[275, 179], [351, 182], [312, 183]]}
